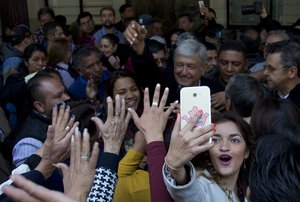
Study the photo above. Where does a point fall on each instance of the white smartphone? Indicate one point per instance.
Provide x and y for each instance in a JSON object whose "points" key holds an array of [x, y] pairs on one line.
{"points": [[192, 100], [201, 4]]}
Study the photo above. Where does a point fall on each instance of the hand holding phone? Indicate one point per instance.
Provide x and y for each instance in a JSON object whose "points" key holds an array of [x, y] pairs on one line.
{"points": [[201, 5], [192, 100]]}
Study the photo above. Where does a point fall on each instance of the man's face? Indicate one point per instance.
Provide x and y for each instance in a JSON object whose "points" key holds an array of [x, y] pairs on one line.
{"points": [[46, 18], [54, 93], [127, 13], [275, 74], [92, 68], [158, 29], [187, 70], [231, 63], [87, 25], [185, 24], [59, 33], [107, 18], [160, 59], [212, 58]]}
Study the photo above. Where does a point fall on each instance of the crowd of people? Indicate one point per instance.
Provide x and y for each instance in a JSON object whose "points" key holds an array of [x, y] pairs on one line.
{"points": [[92, 112]]}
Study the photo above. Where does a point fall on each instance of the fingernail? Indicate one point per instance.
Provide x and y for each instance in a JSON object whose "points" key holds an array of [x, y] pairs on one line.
{"points": [[176, 102], [158, 85], [54, 107], [214, 124], [62, 103], [73, 116], [200, 111], [85, 131], [68, 107], [135, 34], [178, 115]]}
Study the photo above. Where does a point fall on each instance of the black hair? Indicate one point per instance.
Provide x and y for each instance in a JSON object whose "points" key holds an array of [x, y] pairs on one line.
{"points": [[45, 10], [82, 52], [155, 46], [243, 91], [289, 53], [124, 7], [114, 77], [210, 46], [34, 84], [83, 15], [233, 45], [268, 111], [112, 38], [50, 28], [188, 16], [275, 175], [29, 50]]}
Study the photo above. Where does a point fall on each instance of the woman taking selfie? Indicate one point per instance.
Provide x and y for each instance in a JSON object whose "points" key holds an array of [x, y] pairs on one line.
{"points": [[220, 171]]}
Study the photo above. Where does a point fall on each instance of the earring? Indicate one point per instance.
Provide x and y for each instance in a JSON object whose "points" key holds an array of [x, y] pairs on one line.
{"points": [[245, 164]]}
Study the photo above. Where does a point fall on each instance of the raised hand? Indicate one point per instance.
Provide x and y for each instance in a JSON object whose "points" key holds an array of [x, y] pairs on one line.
{"points": [[114, 61], [78, 177], [29, 191], [188, 142], [135, 34], [56, 147], [91, 89], [115, 126], [154, 119]]}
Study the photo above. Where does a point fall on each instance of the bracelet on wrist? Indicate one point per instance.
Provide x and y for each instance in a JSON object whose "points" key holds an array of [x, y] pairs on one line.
{"points": [[168, 165]]}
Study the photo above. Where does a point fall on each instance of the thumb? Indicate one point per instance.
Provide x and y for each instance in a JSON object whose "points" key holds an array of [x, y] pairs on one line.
{"points": [[176, 127], [63, 167]]}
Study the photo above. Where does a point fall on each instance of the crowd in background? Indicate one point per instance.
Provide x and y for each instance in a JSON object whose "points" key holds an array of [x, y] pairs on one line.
{"points": [[92, 112]]}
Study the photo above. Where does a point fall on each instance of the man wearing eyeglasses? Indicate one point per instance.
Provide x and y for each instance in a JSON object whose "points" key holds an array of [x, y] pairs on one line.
{"points": [[282, 70]]}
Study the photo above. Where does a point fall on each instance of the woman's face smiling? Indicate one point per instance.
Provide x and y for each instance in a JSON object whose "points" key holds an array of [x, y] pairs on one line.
{"points": [[127, 89], [107, 48], [230, 150]]}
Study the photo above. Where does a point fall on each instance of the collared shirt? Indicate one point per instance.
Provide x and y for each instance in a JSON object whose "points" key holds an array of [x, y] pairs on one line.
{"points": [[25, 148], [101, 32], [78, 88], [62, 68]]}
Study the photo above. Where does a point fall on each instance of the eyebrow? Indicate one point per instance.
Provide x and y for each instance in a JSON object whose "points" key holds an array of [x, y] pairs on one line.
{"points": [[231, 135]]}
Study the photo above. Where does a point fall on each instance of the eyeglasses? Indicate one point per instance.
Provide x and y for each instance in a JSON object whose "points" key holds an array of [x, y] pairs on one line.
{"points": [[271, 69]]}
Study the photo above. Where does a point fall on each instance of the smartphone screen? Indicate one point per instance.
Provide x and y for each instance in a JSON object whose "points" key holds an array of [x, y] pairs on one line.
{"points": [[192, 100]]}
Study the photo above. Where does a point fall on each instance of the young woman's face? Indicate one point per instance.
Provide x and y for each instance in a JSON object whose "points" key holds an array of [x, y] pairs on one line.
{"points": [[127, 89], [229, 151], [36, 62], [107, 48]]}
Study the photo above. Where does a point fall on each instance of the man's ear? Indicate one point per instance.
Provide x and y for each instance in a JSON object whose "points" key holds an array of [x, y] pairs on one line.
{"points": [[293, 72], [78, 70], [228, 104], [39, 106], [50, 37], [205, 66]]}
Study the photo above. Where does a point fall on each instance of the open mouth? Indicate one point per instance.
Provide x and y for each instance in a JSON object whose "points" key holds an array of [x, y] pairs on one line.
{"points": [[131, 104], [225, 159]]}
